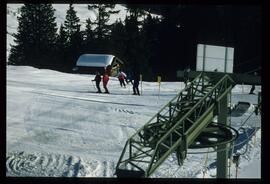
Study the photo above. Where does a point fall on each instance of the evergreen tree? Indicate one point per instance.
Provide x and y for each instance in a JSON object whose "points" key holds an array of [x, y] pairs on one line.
{"points": [[118, 40], [89, 41], [151, 42], [35, 37], [74, 38], [71, 23], [61, 47], [62, 38], [172, 42], [137, 53], [132, 41], [102, 28]]}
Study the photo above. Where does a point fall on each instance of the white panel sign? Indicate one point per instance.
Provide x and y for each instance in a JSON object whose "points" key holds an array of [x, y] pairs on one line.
{"points": [[214, 58]]}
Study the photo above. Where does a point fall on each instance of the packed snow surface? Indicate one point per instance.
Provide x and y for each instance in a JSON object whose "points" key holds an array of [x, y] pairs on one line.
{"points": [[58, 126]]}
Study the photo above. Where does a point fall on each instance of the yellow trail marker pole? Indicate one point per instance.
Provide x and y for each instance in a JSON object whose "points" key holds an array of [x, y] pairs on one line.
{"points": [[159, 82]]}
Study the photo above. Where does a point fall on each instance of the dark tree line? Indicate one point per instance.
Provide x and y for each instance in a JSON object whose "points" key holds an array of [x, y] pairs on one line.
{"points": [[160, 46], [35, 38]]}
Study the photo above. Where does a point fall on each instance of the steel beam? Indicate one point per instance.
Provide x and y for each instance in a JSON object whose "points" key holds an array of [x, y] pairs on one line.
{"points": [[222, 156]]}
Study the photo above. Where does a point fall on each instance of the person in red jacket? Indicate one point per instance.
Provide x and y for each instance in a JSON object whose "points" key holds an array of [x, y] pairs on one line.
{"points": [[105, 80], [121, 77]]}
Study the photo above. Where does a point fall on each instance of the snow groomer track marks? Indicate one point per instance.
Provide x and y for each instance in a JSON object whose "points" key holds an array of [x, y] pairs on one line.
{"points": [[21, 164]]}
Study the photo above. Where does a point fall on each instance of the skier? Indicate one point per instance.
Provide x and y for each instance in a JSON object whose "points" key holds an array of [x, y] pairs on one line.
{"points": [[98, 80], [136, 80], [121, 77], [105, 80]]}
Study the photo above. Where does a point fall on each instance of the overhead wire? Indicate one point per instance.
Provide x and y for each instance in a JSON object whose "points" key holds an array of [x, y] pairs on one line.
{"points": [[251, 71], [247, 145], [245, 62]]}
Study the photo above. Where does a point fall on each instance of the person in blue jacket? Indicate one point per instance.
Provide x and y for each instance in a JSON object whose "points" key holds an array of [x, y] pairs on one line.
{"points": [[136, 80]]}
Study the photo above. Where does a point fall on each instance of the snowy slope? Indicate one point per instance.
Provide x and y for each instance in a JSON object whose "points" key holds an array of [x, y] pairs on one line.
{"points": [[58, 126]]}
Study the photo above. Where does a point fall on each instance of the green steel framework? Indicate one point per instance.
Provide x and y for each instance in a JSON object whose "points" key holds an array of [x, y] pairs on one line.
{"points": [[176, 127]]}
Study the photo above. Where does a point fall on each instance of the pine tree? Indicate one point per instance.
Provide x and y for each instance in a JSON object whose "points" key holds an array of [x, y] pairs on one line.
{"points": [[118, 40], [35, 37], [61, 48], [89, 41], [102, 28], [151, 42], [132, 41], [172, 42], [62, 37], [74, 38], [138, 52], [71, 23], [136, 12]]}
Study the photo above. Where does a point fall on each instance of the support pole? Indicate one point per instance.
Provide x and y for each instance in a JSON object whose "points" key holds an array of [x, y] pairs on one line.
{"points": [[226, 57], [222, 156], [159, 81], [204, 52]]}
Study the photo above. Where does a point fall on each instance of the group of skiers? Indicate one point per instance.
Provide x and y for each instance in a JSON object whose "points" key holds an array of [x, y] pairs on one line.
{"points": [[105, 79], [133, 77]]}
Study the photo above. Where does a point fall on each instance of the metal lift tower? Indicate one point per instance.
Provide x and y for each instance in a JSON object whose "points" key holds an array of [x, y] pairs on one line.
{"points": [[185, 122]]}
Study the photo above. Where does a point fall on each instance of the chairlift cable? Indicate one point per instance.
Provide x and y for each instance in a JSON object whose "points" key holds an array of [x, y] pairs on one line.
{"points": [[245, 62], [245, 121], [247, 145], [259, 68]]}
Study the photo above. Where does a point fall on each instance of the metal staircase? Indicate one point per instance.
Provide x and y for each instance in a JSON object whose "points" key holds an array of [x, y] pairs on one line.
{"points": [[176, 127]]}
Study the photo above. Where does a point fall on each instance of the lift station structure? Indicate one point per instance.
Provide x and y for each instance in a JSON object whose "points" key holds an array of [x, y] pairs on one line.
{"points": [[186, 122]]}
